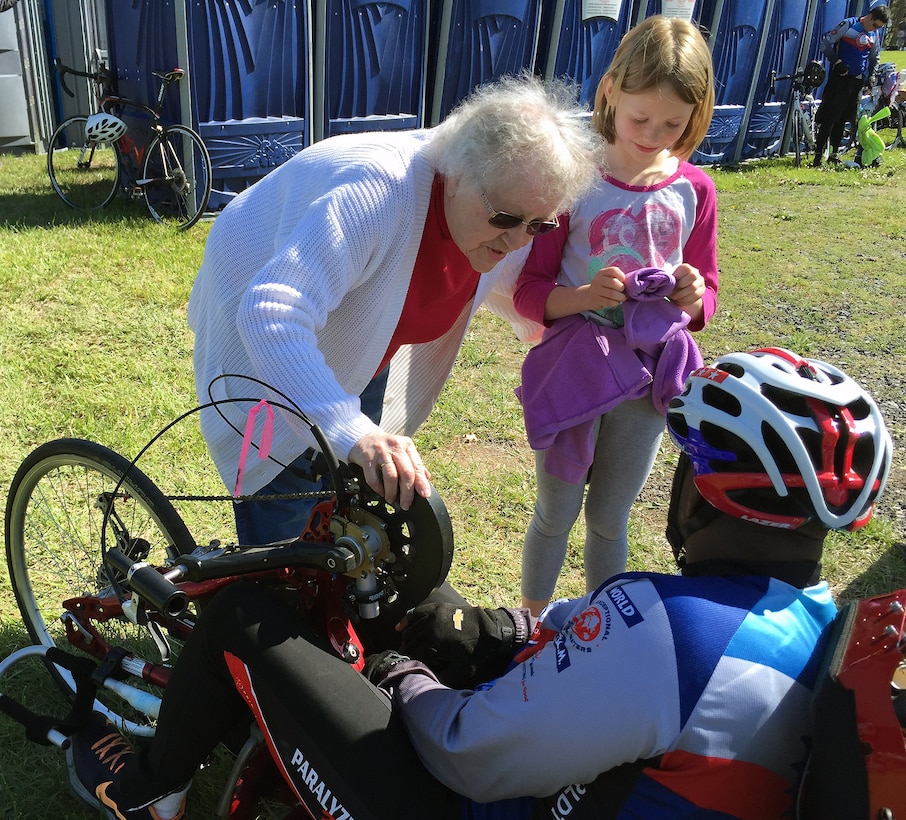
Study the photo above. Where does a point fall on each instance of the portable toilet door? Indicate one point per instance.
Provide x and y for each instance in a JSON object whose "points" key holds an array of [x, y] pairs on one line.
{"points": [[787, 42], [15, 129], [699, 12], [579, 40], [370, 66], [737, 49], [252, 87], [480, 41]]}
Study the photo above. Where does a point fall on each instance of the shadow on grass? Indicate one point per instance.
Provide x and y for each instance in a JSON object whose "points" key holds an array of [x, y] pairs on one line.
{"points": [[33, 208], [887, 574]]}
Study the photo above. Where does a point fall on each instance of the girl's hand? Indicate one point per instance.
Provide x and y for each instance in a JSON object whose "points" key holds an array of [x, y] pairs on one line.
{"points": [[392, 467], [606, 289], [689, 289]]}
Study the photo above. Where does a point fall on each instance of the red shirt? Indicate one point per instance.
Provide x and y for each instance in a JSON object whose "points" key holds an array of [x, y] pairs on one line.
{"points": [[443, 282]]}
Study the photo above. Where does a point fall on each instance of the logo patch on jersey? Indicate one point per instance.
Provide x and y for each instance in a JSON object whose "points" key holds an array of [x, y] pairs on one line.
{"points": [[625, 606], [562, 653], [587, 626]]}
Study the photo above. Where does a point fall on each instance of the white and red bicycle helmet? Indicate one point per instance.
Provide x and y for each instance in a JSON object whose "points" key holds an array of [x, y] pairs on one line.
{"points": [[103, 127], [781, 440]]}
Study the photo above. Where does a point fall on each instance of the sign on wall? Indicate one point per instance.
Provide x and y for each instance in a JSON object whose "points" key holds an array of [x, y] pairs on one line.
{"points": [[601, 8]]}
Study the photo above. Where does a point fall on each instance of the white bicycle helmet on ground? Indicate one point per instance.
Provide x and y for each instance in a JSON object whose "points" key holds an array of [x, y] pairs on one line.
{"points": [[782, 441], [103, 127]]}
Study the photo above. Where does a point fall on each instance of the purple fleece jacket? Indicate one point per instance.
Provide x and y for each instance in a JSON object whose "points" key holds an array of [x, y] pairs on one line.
{"points": [[580, 370]]}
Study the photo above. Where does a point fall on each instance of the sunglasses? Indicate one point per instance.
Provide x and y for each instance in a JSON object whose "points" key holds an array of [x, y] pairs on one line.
{"points": [[505, 221]]}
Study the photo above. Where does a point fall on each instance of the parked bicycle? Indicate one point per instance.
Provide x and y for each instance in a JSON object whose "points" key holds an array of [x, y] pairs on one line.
{"points": [[93, 157], [801, 106]]}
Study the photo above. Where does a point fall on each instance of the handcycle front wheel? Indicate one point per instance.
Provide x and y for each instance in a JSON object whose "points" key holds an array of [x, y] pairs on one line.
{"points": [[85, 174], [176, 177], [62, 496]]}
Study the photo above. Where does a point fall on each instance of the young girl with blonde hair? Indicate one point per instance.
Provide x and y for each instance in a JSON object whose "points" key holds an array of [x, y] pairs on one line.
{"points": [[635, 264]]}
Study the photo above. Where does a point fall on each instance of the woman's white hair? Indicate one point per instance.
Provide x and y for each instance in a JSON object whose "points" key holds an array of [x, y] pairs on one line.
{"points": [[517, 128]]}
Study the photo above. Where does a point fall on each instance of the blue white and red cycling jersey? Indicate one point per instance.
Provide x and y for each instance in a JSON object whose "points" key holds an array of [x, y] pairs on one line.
{"points": [[857, 48], [709, 677]]}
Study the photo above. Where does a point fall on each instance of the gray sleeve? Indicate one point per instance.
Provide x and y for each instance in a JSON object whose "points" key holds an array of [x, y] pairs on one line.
{"points": [[533, 731], [830, 40]]}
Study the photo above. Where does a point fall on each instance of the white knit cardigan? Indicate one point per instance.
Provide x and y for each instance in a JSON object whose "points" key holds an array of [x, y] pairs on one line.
{"points": [[302, 284]]}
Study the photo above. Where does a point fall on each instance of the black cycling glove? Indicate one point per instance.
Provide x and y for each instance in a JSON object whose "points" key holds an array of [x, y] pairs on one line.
{"points": [[379, 665], [464, 645]]}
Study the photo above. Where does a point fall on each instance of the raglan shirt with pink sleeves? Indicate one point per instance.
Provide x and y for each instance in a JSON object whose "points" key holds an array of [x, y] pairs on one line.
{"points": [[629, 227]]}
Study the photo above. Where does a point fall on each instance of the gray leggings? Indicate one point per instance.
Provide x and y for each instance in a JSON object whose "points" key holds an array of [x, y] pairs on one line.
{"points": [[627, 444]]}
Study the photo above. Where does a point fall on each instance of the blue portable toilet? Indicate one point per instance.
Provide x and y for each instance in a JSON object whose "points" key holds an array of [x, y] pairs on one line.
{"points": [[480, 41], [784, 55], [578, 42], [248, 72], [141, 40], [736, 49], [370, 65], [700, 12], [251, 82]]}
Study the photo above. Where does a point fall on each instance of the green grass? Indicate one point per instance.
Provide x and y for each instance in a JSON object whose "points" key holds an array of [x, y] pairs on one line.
{"points": [[94, 344]]}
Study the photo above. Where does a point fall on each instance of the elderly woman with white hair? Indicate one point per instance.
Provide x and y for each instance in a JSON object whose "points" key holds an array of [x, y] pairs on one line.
{"points": [[346, 278]]}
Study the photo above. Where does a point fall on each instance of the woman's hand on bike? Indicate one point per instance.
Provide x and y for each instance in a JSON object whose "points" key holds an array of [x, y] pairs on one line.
{"points": [[689, 289], [392, 466]]}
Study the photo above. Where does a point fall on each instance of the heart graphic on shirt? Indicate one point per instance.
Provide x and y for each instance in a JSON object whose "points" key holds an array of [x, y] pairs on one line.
{"points": [[632, 241]]}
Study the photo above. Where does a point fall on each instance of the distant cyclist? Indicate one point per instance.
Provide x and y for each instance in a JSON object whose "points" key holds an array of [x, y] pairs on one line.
{"points": [[852, 49]]}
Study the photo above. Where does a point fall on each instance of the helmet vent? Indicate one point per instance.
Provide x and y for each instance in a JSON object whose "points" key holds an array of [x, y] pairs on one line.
{"points": [[788, 402], [721, 400]]}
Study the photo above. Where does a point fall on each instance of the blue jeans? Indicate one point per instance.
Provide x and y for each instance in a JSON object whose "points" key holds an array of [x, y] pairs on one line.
{"points": [[263, 521]]}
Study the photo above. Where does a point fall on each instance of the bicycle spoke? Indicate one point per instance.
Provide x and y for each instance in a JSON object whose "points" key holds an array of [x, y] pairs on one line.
{"points": [[177, 177], [84, 174]]}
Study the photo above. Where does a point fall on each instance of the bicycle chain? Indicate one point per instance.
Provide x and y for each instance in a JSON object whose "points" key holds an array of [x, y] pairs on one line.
{"points": [[275, 497]]}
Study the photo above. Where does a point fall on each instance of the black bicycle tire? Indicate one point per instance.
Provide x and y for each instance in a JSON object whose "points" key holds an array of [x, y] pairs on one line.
{"points": [[148, 191], [55, 172], [84, 455]]}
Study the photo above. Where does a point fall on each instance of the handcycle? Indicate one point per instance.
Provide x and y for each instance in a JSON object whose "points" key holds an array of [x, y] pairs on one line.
{"points": [[93, 157], [106, 573], [801, 106]]}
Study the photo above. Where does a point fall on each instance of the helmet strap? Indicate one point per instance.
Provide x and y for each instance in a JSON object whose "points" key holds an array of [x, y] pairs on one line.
{"points": [[688, 511]]}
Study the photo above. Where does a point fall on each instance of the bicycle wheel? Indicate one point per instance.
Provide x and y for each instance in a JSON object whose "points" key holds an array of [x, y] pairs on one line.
{"points": [[54, 514], [176, 177], [85, 174]]}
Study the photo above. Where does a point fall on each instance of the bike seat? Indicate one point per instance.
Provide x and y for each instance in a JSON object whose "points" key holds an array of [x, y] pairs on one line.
{"points": [[169, 76]]}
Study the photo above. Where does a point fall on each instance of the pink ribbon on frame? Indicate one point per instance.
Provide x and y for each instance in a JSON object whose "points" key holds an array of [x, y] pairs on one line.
{"points": [[264, 448]]}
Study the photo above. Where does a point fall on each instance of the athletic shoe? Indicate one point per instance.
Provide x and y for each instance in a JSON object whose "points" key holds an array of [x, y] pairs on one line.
{"points": [[95, 758]]}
